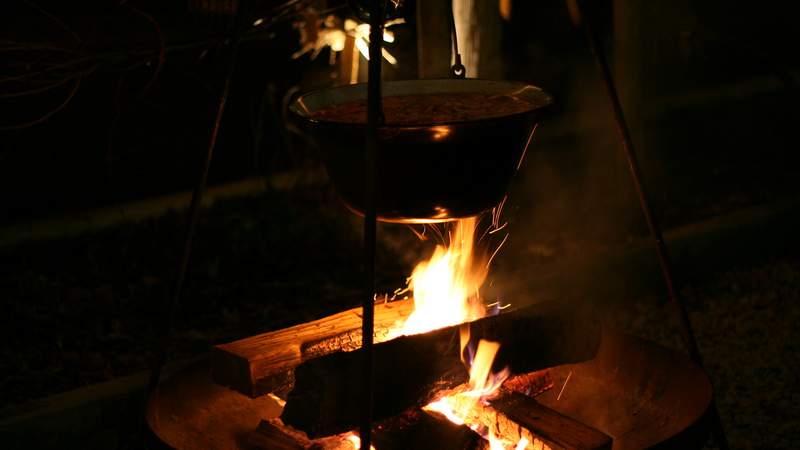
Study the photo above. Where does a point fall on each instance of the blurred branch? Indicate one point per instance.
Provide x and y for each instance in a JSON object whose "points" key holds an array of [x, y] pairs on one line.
{"points": [[55, 19], [49, 113], [162, 52], [42, 89], [37, 68]]}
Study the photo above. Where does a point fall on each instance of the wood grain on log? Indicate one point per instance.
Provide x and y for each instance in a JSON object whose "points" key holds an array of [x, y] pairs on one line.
{"points": [[510, 416], [543, 424], [264, 363], [325, 397], [410, 369], [513, 417]]}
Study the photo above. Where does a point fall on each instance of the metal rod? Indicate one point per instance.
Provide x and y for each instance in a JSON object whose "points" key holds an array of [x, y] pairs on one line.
{"points": [[374, 121], [197, 201], [687, 332]]}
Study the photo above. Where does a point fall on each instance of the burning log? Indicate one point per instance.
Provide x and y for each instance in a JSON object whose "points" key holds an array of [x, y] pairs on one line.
{"points": [[410, 369], [274, 435], [513, 417], [325, 396], [530, 384], [419, 430], [553, 429], [264, 363], [413, 429]]}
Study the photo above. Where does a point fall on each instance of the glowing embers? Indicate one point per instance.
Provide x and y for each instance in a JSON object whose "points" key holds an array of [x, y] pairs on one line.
{"points": [[461, 405], [355, 440], [482, 384]]}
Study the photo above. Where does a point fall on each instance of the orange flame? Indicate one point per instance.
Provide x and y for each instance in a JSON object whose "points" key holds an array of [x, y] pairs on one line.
{"points": [[446, 286], [447, 292], [482, 385]]}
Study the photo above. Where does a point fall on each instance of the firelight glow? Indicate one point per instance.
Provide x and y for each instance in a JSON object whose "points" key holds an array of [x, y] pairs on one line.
{"points": [[446, 290], [355, 440], [446, 286], [458, 407]]}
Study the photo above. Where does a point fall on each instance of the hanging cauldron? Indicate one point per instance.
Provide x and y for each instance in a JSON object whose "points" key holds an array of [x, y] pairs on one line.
{"points": [[426, 172]]}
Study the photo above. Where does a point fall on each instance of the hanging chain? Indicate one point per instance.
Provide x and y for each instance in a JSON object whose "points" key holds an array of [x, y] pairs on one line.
{"points": [[457, 70]]}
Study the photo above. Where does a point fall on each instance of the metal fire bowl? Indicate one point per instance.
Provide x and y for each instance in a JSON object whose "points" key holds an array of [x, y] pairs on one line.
{"points": [[428, 173], [641, 394]]}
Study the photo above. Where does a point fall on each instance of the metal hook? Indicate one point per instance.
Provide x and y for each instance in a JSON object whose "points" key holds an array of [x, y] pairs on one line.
{"points": [[457, 70]]}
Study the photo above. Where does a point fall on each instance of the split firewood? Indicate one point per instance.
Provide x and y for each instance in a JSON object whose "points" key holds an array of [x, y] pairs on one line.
{"points": [[418, 430], [413, 429], [274, 435], [264, 363], [513, 417], [509, 416], [326, 398], [553, 429]]}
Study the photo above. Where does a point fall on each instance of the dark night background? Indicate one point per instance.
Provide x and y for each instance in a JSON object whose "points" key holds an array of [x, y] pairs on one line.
{"points": [[93, 197]]}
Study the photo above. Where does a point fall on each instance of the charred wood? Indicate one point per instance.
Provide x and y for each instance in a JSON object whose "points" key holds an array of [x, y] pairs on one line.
{"points": [[413, 429], [553, 429], [409, 370], [422, 431], [529, 384], [513, 417], [274, 435], [325, 397]]}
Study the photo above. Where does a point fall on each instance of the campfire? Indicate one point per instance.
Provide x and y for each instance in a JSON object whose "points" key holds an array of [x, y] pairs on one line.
{"points": [[453, 370], [436, 365], [444, 356], [449, 368], [446, 292]]}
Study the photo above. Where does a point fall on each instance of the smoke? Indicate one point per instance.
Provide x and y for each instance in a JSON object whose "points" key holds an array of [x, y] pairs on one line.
{"points": [[570, 202]]}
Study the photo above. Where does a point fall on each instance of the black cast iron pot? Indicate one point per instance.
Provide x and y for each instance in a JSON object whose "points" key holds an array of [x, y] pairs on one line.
{"points": [[425, 173]]}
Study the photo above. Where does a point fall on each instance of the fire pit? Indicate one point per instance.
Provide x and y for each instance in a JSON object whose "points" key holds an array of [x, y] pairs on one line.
{"points": [[638, 393], [451, 371]]}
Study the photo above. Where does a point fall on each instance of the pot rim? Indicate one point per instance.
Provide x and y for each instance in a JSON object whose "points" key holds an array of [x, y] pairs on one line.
{"points": [[329, 96]]}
